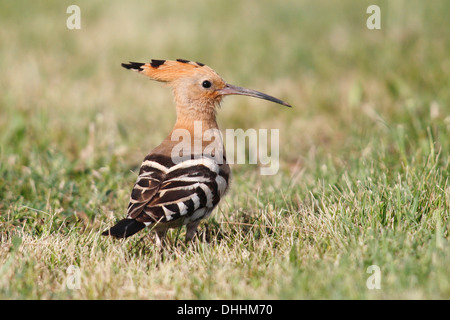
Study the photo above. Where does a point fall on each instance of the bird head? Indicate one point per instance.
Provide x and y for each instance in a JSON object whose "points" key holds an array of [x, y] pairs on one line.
{"points": [[194, 84]]}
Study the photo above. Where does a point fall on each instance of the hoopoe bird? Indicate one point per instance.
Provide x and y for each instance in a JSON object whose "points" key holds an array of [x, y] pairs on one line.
{"points": [[170, 192]]}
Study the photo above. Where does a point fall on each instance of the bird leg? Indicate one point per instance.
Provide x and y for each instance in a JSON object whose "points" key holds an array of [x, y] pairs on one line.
{"points": [[191, 230], [160, 238]]}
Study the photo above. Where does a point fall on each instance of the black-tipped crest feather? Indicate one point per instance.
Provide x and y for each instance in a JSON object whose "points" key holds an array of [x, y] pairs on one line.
{"points": [[133, 65]]}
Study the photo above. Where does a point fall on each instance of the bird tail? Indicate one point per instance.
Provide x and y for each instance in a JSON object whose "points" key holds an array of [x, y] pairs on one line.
{"points": [[124, 228]]}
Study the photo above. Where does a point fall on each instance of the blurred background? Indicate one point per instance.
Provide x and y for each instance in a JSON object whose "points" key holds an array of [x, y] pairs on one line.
{"points": [[62, 87]]}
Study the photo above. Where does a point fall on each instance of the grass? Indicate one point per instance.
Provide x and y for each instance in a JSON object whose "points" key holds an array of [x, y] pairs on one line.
{"points": [[364, 153]]}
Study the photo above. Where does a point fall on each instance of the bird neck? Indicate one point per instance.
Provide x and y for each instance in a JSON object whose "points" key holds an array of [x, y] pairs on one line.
{"points": [[191, 117], [195, 131], [197, 128]]}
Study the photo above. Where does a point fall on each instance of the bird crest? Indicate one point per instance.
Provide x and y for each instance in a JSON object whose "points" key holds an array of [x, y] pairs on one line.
{"points": [[169, 70]]}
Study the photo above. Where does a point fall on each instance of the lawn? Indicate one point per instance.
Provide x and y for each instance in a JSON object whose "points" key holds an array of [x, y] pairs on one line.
{"points": [[364, 153]]}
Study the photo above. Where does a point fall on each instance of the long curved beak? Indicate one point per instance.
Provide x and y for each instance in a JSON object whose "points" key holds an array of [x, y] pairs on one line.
{"points": [[230, 89]]}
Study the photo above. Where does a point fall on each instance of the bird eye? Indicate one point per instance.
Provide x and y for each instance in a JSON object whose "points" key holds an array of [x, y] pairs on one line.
{"points": [[206, 84]]}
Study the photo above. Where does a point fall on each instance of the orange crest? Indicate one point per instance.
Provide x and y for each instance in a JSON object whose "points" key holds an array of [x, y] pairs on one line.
{"points": [[166, 70]]}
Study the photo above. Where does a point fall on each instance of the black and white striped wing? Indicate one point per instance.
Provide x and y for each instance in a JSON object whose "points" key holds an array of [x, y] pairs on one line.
{"points": [[189, 190], [146, 187]]}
